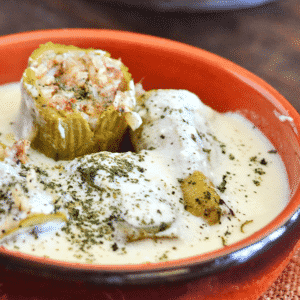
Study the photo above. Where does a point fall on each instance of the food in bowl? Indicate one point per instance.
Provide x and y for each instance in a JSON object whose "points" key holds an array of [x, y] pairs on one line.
{"points": [[75, 101], [198, 181]]}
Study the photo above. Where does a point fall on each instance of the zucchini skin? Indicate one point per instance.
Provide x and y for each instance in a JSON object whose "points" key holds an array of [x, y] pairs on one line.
{"points": [[63, 134]]}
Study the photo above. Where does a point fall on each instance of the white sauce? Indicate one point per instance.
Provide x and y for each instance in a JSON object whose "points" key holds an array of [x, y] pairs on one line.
{"points": [[254, 190]]}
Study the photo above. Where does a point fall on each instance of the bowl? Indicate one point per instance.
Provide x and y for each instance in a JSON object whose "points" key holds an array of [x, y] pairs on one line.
{"points": [[240, 271]]}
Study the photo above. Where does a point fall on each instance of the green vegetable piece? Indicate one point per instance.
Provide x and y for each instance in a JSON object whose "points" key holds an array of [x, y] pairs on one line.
{"points": [[33, 220], [201, 198]]}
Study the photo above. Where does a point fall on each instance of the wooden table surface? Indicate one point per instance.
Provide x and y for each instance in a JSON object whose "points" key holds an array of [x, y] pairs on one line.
{"points": [[265, 40]]}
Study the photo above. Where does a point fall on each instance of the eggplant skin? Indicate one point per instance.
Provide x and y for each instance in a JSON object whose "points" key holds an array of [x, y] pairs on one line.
{"points": [[63, 134], [200, 198]]}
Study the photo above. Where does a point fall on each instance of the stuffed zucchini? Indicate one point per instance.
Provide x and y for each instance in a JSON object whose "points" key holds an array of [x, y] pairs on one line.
{"points": [[75, 101]]}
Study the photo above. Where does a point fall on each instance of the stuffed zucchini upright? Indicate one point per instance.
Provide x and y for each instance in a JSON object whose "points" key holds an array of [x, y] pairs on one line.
{"points": [[75, 101]]}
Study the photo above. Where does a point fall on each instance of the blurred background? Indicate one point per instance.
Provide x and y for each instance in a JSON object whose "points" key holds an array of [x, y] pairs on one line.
{"points": [[262, 36]]}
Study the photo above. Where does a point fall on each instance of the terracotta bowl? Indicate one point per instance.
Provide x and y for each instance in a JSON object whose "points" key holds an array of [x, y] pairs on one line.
{"points": [[237, 271]]}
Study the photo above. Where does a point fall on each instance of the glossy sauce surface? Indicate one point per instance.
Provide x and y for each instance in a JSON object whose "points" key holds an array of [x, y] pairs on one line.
{"points": [[248, 166]]}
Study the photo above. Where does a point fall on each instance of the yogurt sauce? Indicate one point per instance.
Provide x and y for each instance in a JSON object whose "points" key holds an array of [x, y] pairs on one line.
{"points": [[242, 163]]}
